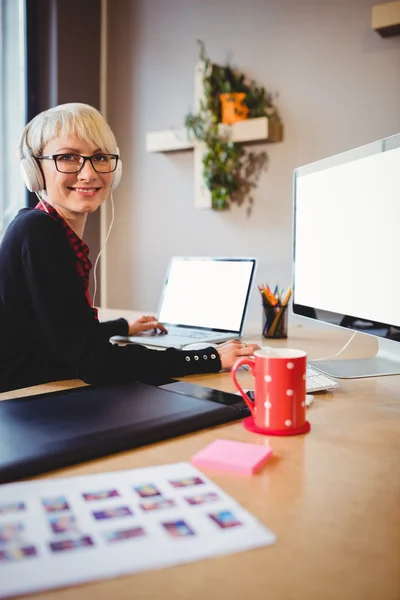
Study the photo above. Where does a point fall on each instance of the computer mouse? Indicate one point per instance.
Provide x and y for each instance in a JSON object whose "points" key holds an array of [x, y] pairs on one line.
{"points": [[199, 346], [309, 400]]}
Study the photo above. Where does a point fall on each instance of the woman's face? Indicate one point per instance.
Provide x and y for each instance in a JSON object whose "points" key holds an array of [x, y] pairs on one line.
{"points": [[74, 193]]}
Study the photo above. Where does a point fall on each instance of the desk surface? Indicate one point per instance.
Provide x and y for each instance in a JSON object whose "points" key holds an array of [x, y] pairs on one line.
{"points": [[332, 497]]}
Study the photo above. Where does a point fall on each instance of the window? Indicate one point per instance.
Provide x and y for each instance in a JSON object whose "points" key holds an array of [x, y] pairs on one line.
{"points": [[12, 107]]}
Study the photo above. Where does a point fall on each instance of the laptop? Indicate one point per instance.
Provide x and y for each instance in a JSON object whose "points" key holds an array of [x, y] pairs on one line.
{"points": [[204, 299], [49, 431]]}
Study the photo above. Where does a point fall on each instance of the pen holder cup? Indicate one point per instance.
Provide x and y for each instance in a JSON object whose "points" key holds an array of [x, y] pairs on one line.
{"points": [[274, 322]]}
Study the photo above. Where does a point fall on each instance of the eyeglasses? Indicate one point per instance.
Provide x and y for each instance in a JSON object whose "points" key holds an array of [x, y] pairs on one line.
{"points": [[74, 163]]}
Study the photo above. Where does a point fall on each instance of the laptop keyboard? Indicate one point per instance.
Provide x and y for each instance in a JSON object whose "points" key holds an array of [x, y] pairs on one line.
{"points": [[175, 338], [193, 334]]}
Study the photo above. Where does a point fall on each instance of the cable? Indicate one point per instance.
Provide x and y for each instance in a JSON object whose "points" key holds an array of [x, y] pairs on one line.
{"points": [[41, 201], [104, 245], [337, 353]]}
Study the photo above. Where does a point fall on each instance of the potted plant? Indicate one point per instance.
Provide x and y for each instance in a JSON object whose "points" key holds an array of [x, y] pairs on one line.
{"points": [[230, 172]]}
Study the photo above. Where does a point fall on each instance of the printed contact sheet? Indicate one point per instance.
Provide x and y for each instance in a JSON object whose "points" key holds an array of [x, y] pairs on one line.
{"points": [[60, 532]]}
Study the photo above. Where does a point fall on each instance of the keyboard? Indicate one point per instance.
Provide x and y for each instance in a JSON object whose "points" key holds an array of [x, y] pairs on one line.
{"points": [[193, 334], [177, 337], [318, 382], [315, 381]]}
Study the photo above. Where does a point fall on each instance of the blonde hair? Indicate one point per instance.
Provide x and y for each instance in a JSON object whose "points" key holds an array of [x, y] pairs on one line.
{"points": [[75, 118]]}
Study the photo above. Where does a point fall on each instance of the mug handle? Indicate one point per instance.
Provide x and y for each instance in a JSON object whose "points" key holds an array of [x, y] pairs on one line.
{"points": [[251, 363]]}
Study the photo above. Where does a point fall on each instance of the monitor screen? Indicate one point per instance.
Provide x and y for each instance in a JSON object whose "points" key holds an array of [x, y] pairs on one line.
{"points": [[347, 239]]}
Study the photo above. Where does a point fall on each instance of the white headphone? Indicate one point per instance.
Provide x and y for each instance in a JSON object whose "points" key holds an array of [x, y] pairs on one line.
{"points": [[32, 173]]}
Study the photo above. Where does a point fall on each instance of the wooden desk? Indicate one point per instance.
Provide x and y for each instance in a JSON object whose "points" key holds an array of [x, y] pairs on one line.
{"points": [[331, 496]]}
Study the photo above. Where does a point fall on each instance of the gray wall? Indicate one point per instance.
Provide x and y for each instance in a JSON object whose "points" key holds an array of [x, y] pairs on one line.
{"points": [[338, 85]]}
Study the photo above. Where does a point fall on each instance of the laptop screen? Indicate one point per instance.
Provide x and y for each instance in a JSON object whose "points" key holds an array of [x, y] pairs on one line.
{"points": [[210, 293]]}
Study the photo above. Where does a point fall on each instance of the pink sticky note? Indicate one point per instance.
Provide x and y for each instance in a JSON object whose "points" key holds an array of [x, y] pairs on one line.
{"points": [[227, 455]]}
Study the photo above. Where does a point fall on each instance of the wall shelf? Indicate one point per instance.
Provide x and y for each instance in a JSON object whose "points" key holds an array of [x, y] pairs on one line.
{"points": [[261, 129], [386, 18]]}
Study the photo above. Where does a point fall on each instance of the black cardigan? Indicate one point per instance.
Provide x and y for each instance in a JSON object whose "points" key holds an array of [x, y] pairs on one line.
{"points": [[47, 329]]}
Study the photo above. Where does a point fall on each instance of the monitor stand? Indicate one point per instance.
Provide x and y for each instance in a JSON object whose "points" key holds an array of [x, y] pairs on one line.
{"points": [[385, 362]]}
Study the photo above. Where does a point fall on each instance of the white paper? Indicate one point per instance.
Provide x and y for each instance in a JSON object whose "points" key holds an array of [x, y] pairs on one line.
{"points": [[41, 520]]}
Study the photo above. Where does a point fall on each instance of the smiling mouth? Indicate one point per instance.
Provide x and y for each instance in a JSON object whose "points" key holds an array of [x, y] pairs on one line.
{"points": [[85, 191]]}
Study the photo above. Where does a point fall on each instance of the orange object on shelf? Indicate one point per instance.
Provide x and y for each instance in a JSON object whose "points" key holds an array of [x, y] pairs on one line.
{"points": [[233, 108]]}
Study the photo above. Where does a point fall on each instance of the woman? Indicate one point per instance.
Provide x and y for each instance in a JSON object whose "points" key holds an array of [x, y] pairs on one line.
{"points": [[49, 329]]}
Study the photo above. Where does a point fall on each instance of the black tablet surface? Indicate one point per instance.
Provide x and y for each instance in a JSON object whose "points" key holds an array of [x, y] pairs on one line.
{"points": [[45, 432]]}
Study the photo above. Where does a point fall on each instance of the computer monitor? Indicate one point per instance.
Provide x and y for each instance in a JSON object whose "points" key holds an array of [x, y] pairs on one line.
{"points": [[346, 269]]}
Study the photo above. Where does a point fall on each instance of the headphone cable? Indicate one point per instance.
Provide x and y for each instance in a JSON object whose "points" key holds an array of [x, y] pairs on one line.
{"points": [[104, 245]]}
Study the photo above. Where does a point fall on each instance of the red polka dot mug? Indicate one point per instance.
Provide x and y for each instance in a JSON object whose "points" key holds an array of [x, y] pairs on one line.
{"points": [[279, 407]]}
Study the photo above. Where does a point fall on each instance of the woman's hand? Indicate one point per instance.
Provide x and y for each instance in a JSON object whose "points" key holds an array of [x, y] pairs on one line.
{"points": [[230, 351], [145, 323]]}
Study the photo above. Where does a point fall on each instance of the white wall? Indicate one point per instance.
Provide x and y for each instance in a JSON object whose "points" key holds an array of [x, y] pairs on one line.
{"points": [[339, 87]]}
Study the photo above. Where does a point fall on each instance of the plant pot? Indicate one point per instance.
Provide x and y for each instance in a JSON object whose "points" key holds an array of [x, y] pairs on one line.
{"points": [[233, 108]]}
